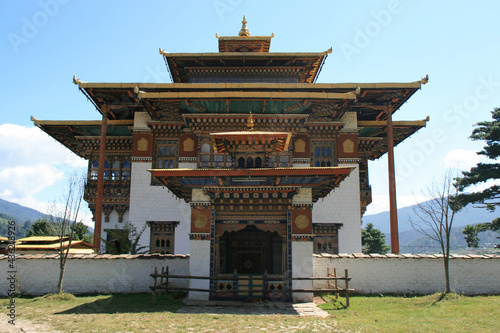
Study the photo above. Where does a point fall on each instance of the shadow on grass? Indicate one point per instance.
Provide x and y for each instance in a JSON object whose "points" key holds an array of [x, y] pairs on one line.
{"points": [[126, 303]]}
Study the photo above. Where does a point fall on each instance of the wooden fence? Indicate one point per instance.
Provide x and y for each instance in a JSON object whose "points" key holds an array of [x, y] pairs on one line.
{"points": [[161, 282]]}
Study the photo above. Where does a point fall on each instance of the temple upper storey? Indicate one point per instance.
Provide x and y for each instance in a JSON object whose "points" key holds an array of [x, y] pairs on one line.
{"points": [[243, 59]]}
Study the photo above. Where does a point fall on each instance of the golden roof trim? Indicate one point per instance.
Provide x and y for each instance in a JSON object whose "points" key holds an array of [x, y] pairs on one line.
{"points": [[222, 86], [248, 94], [395, 123], [119, 122]]}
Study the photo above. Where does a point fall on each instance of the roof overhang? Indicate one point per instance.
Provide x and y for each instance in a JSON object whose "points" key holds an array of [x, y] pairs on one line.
{"points": [[69, 133], [180, 63], [372, 135], [323, 101], [182, 181]]}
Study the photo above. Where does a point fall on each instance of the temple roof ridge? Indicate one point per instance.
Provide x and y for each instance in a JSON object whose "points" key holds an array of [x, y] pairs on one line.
{"points": [[244, 42]]}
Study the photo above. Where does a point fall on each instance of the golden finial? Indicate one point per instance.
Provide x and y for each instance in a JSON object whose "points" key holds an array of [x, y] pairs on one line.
{"points": [[250, 122], [244, 30]]}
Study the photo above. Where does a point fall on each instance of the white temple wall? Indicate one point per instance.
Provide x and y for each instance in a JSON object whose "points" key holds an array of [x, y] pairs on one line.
{"points": [[157, 203], [199, 265], [302, 266], [342, 205]]}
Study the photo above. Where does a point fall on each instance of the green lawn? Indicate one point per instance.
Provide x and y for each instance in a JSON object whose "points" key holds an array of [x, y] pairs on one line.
{"points": [[454, 313], [134, 313]]}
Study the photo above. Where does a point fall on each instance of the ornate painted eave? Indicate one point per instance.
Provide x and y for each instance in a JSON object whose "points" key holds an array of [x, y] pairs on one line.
{"points": [[325, 102], [180, 63], [321, 180], [70, 133], [373, 136], [206, 123]]}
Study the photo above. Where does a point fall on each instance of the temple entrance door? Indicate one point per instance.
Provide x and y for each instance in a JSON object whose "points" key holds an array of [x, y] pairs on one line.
{"points": [[250, 253], [250, 261]]}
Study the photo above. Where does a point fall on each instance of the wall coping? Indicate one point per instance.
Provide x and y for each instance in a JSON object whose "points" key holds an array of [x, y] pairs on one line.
{"points": [[402, 256], [97, 256], [183, 256]]}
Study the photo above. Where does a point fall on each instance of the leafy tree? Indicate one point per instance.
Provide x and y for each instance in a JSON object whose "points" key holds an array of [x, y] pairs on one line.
{"points": [[434, 218], [373, 240], [42, 227], [482, 172], [82, 233], [471, 231], [125, 240]]}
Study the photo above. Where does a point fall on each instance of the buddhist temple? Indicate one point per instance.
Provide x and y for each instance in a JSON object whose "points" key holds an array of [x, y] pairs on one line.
{"points": [[243, 161]]}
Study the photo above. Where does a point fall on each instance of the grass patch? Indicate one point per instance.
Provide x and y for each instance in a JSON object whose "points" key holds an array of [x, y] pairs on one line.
{"points": [[431, 313], [135, 313], [56, 297]]}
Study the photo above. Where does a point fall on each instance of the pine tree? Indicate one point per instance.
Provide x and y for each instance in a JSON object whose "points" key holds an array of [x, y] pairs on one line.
{"points": [[488, 131], [373, 240]]}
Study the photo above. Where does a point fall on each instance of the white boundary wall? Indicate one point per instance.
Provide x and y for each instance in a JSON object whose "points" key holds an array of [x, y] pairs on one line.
{"points": [[371, 274], [412, 274], [101, 274]]}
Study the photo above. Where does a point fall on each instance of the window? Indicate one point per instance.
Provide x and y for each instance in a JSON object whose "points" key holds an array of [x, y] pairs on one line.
{"points": [[166, 154], [323, 154], [209, 159], [162, 239], [94, 169], [326, 237], [115, 171], [126, 170]]}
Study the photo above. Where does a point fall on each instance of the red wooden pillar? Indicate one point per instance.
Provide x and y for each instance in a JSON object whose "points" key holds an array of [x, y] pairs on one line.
{"points": [[100, 181], [392, 183]]}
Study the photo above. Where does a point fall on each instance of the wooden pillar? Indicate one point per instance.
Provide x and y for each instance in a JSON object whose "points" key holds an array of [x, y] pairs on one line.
{"points": [[393, 209], [100, 182]]}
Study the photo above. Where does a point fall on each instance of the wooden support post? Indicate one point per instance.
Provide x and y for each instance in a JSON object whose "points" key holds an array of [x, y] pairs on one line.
{"points": [[392, 182], [166, 283], [154, 285], [346, 289], [236, 287], [161, 279], [100, 182], [335, 283], [328, 275], [266, 284]]}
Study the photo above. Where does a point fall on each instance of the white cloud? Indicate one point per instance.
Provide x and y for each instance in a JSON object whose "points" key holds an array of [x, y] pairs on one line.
{"points": [[23, 146], [26, 181], [31, 162], [462, 159]]}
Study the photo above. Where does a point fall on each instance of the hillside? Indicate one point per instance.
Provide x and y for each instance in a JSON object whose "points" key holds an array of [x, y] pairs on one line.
{"points": [[411, 241], [23, 216], [469, 215], [19, 213]]}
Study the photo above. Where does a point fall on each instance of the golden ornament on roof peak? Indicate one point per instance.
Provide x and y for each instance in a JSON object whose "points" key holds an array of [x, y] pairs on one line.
{"points": [[250, 122], [244, 30]]}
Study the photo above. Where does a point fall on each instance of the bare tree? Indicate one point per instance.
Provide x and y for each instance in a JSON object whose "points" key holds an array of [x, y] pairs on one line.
{"points": [[65, 218], [434, 218]]}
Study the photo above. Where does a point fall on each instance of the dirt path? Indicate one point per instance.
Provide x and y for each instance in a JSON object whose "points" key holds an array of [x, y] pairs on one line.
{"points": [[25, 326]]}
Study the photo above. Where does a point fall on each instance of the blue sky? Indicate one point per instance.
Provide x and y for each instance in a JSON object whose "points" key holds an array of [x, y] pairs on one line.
{"points": [[44, 43]]}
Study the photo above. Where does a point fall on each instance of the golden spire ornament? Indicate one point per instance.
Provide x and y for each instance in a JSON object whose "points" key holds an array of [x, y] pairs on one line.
{"points": [[244, 30], [250, 122]]}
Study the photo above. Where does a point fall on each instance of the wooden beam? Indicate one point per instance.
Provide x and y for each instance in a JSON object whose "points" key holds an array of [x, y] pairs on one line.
{"points": [[100, 182], [247, 94], [400, 123], [393, 209]]}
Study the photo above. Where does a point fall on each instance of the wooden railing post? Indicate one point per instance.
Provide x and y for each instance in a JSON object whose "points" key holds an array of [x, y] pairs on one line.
{"points": [[346, 288], [154, 285], [166, 284]]}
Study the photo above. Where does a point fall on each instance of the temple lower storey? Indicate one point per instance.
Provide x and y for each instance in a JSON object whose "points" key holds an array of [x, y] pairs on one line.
{"points": [[243, 162]]}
